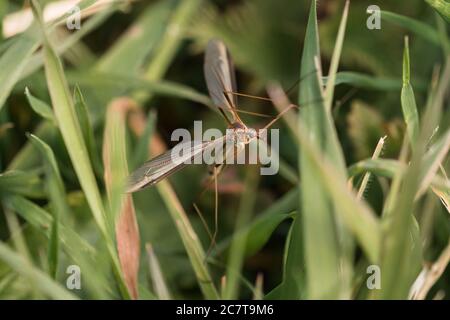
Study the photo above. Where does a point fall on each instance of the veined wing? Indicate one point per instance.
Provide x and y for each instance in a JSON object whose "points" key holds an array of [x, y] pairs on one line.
{"points": [[162, 166], [220, 77]]}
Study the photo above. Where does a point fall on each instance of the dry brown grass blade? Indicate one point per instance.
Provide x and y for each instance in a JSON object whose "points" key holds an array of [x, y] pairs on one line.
{"points": [[121, 204], [128, 243], [429, 275]]}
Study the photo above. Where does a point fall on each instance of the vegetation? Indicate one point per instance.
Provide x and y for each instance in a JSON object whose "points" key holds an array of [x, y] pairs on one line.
{"points": [[362, 189]]}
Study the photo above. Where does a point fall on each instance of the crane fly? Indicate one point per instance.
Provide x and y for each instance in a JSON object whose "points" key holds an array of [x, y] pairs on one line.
{"points": [[221, 82]]}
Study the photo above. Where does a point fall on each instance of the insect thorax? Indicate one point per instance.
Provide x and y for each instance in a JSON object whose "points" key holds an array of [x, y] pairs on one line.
{"points": [[238, 133]]}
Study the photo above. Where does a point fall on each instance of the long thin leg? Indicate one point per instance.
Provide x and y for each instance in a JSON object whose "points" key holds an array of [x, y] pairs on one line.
{"points": [[202, 219], [248, 96], [216, 215], [280, 115]]}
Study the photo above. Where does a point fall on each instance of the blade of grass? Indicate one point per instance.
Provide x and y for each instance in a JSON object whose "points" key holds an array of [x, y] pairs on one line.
{"points": [[432, 160], [258, 293], [366, 178], [81, 252], [27, 158], [170, 43], [442, 7], [314, 215], [36, 61], [388, 168], [121, 204], [53, 249], [140, 153], [17, 237], [42, 282], [430, 275], [187, 234], [72, 136], [40, 107], [398, 263], [161, 87], [24, 183], [329, 90], [260, 229], [408, 100], [358, 217], [154, 72], [55, 186], [190, 240], [317, 226], [238, 244], [419, 28], [130, 51], [360, 80], [159, 284], [87, 129], [443, 35], [15, 59], [57, 196]]}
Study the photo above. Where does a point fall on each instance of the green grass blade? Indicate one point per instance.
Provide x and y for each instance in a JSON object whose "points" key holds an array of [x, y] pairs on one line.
{"points": [[356, 214], [170, 43], [57, 196], [36, 61], [329, 90], [24, 183], [238, 243], [53, 249], [419, 28], [55, 185], [443, 35], [16, 234], [111, 81], [27, 158], [367, 175], [317, 227], [121, 204], [432, 160], [40, 107], [14, 60], [80, 251], [388, 168], [159, 283], [258, 292], [42, 282], [130, 51], [408, 100], [73, 138], [140, 154], [399, 263], [87, 129], [260, 229], [190, 240], [442, 7], [364, 81], [70, 128]]}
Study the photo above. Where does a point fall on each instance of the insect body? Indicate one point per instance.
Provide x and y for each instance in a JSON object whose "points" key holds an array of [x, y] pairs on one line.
{"points": [[240, 135], [221, 83]]}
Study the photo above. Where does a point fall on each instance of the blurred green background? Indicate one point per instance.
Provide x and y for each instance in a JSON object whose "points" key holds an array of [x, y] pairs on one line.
{"points": [[153, 51]]}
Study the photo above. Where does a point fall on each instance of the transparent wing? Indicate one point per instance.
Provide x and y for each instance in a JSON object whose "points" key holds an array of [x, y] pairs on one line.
{"points": [[220, 77], [162, 166]]}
